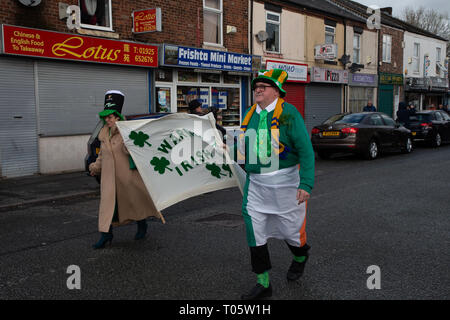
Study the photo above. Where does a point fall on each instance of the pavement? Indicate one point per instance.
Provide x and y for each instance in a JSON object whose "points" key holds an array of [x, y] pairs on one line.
{"points": [[36, 189]]}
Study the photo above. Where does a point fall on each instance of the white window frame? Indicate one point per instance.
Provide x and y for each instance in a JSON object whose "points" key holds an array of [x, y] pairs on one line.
{"points": [[279, 28], [329, 33], [387, 48], [438, 60], [220, 12], [416, 59], [358, 49], [90, 26]]}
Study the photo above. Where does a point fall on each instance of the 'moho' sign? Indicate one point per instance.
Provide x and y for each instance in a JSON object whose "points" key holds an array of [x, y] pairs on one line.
{"points": [[296, 72]]}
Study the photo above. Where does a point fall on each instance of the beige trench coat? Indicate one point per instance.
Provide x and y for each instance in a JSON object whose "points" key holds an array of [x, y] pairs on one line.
{"points": [[133, 200]]}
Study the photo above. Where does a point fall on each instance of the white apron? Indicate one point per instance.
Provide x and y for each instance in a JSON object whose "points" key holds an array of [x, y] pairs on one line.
{"points": [[271, 209]]}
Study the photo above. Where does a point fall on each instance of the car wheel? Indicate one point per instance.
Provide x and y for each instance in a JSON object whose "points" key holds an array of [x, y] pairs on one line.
{"points": [[372, 150], [323, 155], [437, 141], [408, 146]]}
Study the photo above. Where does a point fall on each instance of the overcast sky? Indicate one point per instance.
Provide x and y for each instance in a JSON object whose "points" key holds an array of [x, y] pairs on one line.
{"points": [[399, 5]]}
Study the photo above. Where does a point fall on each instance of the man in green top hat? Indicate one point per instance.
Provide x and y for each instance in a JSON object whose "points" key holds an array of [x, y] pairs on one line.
{"points": [[276, 191]]}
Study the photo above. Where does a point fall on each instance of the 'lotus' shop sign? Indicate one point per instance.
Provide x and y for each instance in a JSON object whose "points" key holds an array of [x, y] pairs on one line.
{"points": [[207, 59], [55, 45]]}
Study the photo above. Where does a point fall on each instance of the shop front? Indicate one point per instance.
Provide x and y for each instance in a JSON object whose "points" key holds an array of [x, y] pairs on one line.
{"points": [[324, 95], [390, 92], [219, 79], [361, 88], [295, 84], [426, 93], [52, 86]]}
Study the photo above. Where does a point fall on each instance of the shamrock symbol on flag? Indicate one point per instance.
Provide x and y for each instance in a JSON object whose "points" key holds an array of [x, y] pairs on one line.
{"points": [[228, 169], [215, 170], [139, 138], [160, 165]]}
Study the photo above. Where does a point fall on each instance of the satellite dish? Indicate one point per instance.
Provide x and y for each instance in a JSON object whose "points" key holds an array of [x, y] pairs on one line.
{"points": [[30, 3], [262, 36]]}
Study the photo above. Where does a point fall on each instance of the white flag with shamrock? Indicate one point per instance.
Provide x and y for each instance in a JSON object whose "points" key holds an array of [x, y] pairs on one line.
{"points": [[179, 156]]}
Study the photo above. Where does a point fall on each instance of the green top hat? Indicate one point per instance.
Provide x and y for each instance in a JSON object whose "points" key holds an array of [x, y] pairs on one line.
{"points": [[113, 104], [274, 77]]}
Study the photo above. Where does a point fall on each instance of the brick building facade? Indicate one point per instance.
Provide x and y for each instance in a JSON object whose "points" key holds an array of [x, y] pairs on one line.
{"points": [[50, 103]]}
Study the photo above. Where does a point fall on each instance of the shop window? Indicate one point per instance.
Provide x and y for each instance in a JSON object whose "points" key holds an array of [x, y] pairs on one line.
{"points": [[186, 94], [273, 30], [187, 76], [359, 97], [163, 101], [387, 48], [163, 75], [231, 79], [212, 21], [357, 48], [227, 100], [96, 14], [210, 77]]}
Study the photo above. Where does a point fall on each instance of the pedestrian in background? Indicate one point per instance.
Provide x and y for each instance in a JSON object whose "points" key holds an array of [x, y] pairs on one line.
{"points": [[274, 203], [403, 114], [369, 107], [412, 109], [195, 107], [124, 198]]}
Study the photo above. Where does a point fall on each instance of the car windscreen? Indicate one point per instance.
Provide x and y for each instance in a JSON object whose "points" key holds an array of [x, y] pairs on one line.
{"points": [[345, 118], [420, 117]]}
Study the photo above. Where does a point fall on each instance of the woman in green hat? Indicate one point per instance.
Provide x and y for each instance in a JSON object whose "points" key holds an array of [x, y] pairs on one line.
{"points": [[124, 198]]}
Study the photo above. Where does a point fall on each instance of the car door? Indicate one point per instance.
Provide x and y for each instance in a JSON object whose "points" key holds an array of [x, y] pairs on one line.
{"points": [[380, 130], [393, 131], [446, 118]]}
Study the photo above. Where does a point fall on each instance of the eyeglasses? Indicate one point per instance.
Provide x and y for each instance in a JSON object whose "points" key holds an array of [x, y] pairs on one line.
{"points": [[261, 87]]}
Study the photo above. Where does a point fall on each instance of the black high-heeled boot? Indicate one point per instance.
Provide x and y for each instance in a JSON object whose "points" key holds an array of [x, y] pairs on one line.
{"points": [[141, 230], [105, 238]]}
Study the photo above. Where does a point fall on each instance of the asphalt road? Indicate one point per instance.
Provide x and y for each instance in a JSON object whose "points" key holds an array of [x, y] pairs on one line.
{"points": [[392, 212]]}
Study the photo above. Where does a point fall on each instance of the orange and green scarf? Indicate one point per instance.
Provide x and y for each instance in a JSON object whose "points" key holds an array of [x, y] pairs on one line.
{"points": [[279, 148]]}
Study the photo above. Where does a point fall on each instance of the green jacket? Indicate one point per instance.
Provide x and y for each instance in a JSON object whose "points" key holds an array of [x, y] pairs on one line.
{"points": [[294, 135]]}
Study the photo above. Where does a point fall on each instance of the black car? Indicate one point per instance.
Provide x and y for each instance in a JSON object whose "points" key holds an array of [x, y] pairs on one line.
{"points": [[365, 133], [431, 127]]}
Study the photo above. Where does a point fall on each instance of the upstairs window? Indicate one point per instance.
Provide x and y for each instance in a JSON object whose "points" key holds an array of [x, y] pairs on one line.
{"points": [[96, 14], [415, 59], [273, 30], [438, 61], [330, 33], [387, 48], [212, 22], [357, 48]]}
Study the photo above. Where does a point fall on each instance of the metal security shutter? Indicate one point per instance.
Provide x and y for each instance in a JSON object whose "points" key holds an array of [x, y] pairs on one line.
{"points": [[322, 101], [295, 95], [18, 136], [72, 94]]}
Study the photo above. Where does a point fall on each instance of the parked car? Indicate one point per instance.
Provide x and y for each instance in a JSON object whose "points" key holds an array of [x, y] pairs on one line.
{"points": [[93, 145], [366, 133], [431, 127]]}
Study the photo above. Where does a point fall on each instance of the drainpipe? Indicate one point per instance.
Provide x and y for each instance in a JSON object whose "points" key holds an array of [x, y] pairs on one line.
{"points": [[345, 52], [251, 27], [198, 27], [378, 69]]}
